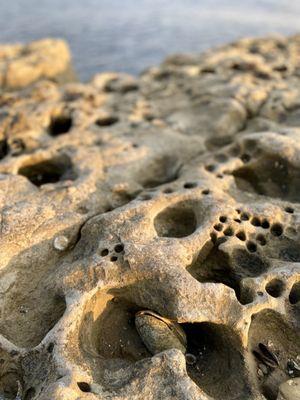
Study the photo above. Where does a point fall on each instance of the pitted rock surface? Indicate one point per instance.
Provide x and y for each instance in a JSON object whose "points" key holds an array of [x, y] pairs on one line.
{"points": [[176, 192]]}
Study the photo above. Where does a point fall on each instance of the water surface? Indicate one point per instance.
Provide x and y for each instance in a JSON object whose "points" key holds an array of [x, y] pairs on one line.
{"points": [[130, 35]]}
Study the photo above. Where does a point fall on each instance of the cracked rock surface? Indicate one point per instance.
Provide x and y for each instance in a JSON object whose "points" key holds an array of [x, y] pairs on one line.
{"points": [[176, 192]]}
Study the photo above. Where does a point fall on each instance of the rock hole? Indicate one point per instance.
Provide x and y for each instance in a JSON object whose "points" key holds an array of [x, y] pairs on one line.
{"points": [[228, 231], [107, 120], [261, 240], [205, 192], [60, 125], [210, 167], [108, 338], [289, 210], [270, 176], [223, 219], [265, 224], [104, 252], [119, 248], [241, 235], [113, 258], [50, 347], [190, 185], [49, 171], [218, 354], [245, 157], [245, 216], [84, 387], [275, 287], [168, 190], [272, 343], [214, 267], [218, 227], [276, 230], [255, 221], [176, 221], [294, 296], [30, 393], [251, 246], [4, 149]]}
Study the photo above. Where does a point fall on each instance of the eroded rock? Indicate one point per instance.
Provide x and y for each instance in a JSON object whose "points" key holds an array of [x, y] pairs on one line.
{"points": [[174, 195]]}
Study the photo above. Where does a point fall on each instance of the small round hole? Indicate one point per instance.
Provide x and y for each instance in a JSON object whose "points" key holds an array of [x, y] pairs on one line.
{"points": [[251, 246], [255, 221], [294, 296], [84, 386], [228, 231], [205, 192], [245, 158], [223, 219], [245, 216], [276, 230], [50, 347], [113, 258], [210, 167], [218, 227], [237, 220], [104, 252], [289, 210], [261, 240], [241, 235], [107, 120], [265, 224], [119, 248], [190, 185], [213, 237], [168, 190], [275, 287]]}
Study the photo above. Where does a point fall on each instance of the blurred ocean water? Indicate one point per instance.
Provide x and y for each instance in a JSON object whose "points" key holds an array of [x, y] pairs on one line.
{"points": [[130, 35]]}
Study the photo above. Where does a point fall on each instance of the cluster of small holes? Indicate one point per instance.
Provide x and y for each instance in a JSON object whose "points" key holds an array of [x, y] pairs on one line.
{"points": [[118, 249]]}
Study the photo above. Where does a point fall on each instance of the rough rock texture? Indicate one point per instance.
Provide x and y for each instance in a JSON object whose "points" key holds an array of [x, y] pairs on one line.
{"points": [[21, 65], [176, 192]]}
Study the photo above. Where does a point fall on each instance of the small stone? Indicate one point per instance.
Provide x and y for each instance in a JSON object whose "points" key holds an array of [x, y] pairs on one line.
{"points": [[61, 243]]}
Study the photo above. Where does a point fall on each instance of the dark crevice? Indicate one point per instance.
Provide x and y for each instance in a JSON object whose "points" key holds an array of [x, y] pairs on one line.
{"points": [[60, 125]]}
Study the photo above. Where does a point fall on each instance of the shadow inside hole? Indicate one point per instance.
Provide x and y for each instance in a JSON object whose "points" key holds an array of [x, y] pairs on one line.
{"points": [[274, 346], [219, 370], [270, 176], [108, 337], [275, 287], [49, 171], [294, 296], [4, 148], [60, 124], [216, 266], [30, 393], [176, 221], [11, 380], [163, 169]]}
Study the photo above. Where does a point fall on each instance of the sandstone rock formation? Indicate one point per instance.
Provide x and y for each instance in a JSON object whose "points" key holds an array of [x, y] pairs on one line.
{"points": [[176, 192], [21, 65]]}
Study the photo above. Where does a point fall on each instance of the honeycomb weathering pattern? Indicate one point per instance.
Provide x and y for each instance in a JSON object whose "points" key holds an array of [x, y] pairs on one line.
{"points": [[177, 192]]}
